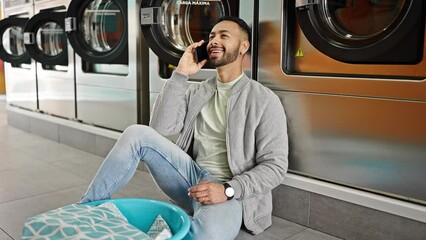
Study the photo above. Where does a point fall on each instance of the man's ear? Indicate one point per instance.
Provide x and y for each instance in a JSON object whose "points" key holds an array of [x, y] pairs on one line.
{"points": [[244, 47]]}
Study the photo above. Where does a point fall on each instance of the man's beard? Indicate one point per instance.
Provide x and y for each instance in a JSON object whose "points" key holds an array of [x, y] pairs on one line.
{"points": [[226, 58]]}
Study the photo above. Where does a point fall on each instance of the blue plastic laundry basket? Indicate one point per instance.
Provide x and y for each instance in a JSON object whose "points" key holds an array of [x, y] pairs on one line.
{"points": [[141, 213]]}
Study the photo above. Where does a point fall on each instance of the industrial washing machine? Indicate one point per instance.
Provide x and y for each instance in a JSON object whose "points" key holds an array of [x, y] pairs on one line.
{"points": [[111, 62], [170, 26], [351, 76], [46, 42], [20, 69]]}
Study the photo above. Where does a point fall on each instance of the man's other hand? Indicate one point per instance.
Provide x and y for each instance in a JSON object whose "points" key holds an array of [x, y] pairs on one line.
{"points": [[208, 192]]}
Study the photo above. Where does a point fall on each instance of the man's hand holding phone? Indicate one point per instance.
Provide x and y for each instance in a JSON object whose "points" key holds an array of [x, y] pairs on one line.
{"points": [[201, 52], [188, 63]]}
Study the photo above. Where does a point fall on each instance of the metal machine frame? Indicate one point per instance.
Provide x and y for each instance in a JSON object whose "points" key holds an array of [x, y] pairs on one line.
{"points": [[21, 81], [56, 83], [112, 96]]}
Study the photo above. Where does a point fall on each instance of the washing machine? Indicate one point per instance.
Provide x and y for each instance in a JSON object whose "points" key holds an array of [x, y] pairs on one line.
{"points": [[20, 69], [111, 62], [170, 26], [46, 42], [351, 76]]}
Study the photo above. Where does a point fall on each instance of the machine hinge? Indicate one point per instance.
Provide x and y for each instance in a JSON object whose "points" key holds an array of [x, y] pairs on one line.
{"points": [[150, 15], [70, 24], [304, 3], [29, 38]]}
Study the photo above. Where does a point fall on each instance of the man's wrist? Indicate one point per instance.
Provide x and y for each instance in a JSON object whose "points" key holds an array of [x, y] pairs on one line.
{"points": [[180, 71]]}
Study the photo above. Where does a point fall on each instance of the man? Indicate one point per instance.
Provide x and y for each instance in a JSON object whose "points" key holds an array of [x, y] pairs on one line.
{"points": [[232, 149]]}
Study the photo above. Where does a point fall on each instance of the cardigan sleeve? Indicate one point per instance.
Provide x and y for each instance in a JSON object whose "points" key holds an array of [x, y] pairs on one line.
{"points": [[168, 113], [271, 154]]}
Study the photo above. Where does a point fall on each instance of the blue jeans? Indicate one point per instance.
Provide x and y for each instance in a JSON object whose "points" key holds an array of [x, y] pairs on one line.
{"points": [[174, 171]]}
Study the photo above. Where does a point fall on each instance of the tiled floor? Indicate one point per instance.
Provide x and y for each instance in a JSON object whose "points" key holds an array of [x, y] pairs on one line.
{"points": [[37, 175]]}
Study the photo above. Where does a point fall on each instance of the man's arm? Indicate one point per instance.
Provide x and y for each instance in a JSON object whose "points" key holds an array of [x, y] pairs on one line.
{"points": [[169, 109], [271, 155]]}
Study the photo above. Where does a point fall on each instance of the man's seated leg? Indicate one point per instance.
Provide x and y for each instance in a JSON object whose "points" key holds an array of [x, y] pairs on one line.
{"points": [[173, 170], [216, 222]]}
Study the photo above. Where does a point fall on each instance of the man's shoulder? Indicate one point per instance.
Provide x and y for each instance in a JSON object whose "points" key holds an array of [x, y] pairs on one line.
{"points": [[203, 86]]}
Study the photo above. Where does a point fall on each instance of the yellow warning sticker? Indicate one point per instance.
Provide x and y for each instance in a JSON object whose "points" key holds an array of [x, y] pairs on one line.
{"points": [[299, 53]]}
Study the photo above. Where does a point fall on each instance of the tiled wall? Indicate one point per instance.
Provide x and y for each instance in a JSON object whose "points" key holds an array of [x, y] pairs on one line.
{"points": [[85, 141], [343, 219]]}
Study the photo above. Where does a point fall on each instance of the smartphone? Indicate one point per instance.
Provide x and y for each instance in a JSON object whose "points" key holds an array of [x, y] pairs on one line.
{"points": [[201, 52]]}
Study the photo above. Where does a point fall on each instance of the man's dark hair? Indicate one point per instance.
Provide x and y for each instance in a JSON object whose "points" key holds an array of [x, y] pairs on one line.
{"points": [[241, 23]]}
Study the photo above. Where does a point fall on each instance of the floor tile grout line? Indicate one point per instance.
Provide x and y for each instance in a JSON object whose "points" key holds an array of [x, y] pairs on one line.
{"points": [[305, 228], [41, 194], [50, 165], [6, 233]]}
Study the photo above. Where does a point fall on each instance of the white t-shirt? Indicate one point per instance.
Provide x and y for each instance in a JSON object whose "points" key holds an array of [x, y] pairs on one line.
{"points": [[210, 149]]}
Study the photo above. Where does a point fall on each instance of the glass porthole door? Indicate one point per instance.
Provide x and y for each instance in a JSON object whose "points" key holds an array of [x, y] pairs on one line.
{"points": [[170, 26], [98, 30], [45, 38], [12, 48], [365, 31]]}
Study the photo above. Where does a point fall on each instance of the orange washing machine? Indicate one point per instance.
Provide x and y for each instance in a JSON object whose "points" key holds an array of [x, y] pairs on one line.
{"points": [[351, 75]]}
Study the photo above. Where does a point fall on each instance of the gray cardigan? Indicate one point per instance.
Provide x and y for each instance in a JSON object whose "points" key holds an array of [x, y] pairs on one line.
{"points": [[256, 137]]}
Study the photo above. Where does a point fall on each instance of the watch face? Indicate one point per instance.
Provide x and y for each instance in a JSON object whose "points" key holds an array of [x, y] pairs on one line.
{"points": [[229, 192]]}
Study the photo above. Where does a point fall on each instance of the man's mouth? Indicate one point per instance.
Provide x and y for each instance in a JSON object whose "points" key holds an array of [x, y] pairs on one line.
{"points": [[215, 52]]}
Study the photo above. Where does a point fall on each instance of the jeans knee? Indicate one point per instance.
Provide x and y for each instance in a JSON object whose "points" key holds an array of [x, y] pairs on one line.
{"points": [[137, 131], [213, 230], [137, 128]]}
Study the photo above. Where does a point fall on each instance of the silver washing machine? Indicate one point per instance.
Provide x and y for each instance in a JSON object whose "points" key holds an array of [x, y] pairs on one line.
{"points": [[170, 26], [20, 69], [352, 77], [111, 62], [46, 42]]}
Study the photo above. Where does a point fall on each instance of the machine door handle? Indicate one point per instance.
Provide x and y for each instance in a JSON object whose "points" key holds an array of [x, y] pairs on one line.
{"points": [[150, 15], [304, 3], [29, 38], [70, 24]]}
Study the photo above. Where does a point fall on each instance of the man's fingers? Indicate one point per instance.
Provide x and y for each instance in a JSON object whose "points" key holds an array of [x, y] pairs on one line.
{"points": [[198, 194], [203, 186], [201, 64], [205, 200], [199, 43], [191, 47], [200, 190]]}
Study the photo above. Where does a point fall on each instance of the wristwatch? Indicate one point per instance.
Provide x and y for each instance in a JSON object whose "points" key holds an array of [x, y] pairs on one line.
{"points": [[229, 191]]}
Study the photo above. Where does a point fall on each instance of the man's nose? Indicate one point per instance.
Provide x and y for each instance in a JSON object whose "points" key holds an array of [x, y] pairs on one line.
{"points": [[213, 41]]}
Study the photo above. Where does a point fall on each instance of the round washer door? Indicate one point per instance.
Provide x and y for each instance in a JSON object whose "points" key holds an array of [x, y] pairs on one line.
{"points": [[45, 38], [365, 31], [12, 47], [97, 30], [170, 26]]}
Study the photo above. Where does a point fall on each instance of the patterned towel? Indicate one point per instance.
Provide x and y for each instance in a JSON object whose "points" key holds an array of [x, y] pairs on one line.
{"points": [[78, 221], [160, 230]]}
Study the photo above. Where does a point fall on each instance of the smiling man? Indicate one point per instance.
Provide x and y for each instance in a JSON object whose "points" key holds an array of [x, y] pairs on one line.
{"points": [[232, 147]]}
